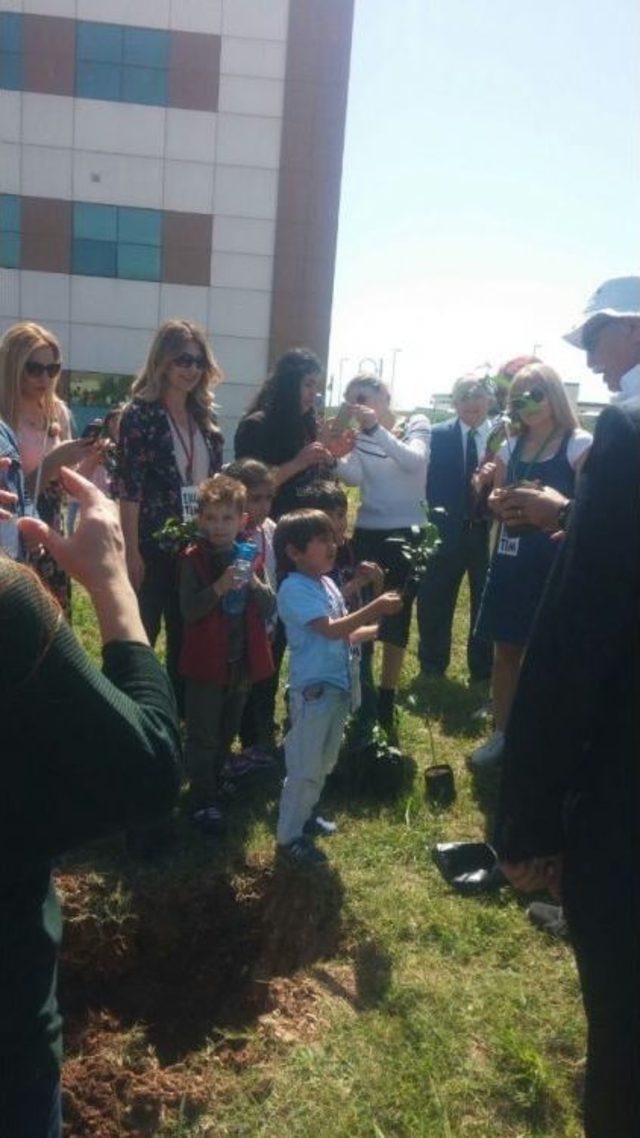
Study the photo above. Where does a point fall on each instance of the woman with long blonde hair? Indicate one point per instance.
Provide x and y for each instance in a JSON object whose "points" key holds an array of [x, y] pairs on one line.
{"points": [[30, 365], [549, 451], [169, 443]]}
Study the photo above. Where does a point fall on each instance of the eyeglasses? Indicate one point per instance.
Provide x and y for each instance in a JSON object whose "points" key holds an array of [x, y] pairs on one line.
{"points": [[590, 336], [186, 360], [536, 395], [37, 370]]}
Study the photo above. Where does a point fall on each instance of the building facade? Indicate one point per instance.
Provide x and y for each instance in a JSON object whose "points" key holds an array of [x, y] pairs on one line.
{"points": [[164, 158]]}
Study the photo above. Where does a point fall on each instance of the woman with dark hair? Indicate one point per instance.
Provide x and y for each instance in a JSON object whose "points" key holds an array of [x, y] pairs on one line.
{"points": [[85, 753], [168, 444], [280, 427]]}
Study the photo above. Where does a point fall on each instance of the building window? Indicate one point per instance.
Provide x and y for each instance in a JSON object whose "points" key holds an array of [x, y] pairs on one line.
{"points": [[122, 64], [11, 51], [117, 241], [10, 211]]}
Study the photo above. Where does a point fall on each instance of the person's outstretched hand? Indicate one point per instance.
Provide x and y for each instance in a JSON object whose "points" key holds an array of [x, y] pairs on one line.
{"points": [[94, 554]]}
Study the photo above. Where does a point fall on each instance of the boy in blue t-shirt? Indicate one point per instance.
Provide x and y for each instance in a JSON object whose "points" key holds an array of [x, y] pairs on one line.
{"points": [[321, 677]]}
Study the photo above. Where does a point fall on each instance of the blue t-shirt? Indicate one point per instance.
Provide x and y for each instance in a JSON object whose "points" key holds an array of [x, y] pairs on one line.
{"points": [[313, 659]]}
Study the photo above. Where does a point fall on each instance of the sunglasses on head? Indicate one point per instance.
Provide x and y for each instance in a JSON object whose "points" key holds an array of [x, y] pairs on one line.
{"points": [[536, 395], [187, 360], [37, 370]]}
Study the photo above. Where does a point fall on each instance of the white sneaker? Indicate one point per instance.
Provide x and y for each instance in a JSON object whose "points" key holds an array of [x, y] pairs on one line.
{"points": [[489, 754]]}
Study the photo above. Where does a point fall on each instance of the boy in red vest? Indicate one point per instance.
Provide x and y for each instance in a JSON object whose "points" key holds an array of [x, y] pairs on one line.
{"points": [[224, 650]]}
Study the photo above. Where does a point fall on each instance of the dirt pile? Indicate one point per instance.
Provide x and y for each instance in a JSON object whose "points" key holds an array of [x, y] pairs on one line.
{"points": [[155, 969]]}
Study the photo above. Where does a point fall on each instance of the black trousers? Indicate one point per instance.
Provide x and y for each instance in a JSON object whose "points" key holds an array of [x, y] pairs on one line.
{"points": [[468, 553], [158, 598], [600, 897]]}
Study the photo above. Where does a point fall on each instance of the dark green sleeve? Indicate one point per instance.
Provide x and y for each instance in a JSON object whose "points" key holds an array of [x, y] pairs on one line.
{"points": [[86, 753]]}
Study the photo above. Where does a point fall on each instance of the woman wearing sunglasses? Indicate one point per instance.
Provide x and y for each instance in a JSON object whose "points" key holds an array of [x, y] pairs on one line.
{"points": [[549, 450], [30, 365], [169, 443]]}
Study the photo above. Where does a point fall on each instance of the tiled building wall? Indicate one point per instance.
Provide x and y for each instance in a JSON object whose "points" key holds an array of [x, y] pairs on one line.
{"points": [[208, 161]]}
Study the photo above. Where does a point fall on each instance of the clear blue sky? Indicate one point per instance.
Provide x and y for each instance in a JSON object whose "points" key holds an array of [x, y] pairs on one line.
{"points": [[491, 180]]}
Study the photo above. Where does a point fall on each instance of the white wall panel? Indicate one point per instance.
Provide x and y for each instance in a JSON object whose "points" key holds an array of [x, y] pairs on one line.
{"points": [[50, 7], [188, 186], [243, 235], [129, 304], [46, 172], [191, 135], [117, 179], [119, 128], [264, 59], [9, 168], [244, 361], [11, 5], [259, 19], [243, 192], [95, 348], [247, 140], [10, 107], [242, 95], [239, 312], [139, 13], [7, 322], [188, 302], [196, 16], [44, 296], [9, 291], [47, 120], [241, 270]]}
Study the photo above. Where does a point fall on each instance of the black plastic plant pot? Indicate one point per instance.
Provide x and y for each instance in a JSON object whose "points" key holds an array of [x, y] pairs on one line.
{"points": [[440, 787]]}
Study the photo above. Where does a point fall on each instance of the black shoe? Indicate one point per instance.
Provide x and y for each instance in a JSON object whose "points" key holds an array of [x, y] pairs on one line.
{"points": [[319, 827], [210, 820], [549, 918]]}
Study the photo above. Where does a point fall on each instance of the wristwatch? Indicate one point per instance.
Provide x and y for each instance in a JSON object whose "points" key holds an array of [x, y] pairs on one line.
{"points": [[564, 513]]}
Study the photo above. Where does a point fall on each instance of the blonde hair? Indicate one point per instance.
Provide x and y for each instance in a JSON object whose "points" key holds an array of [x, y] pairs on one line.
{"points": [[18, 344], [168, 342], [561, 408], [220, 490]]}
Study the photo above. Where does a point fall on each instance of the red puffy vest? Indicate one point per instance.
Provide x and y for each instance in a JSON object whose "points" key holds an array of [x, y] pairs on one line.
{"points": [[205, 643]]}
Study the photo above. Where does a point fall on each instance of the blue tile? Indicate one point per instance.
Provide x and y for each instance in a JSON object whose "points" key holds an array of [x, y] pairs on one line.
{"points": [[101, 43], [139, 262], [146, 47], [10, 250], [140, 226], [98, 81], [11, 71], [94, 258], [10, 213], [144, 85], [95, 222], [11, 31]]}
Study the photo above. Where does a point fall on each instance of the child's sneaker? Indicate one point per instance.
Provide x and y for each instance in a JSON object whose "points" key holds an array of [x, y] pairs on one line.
{"points": [[302, 852], [210, 819], [319, 827]]}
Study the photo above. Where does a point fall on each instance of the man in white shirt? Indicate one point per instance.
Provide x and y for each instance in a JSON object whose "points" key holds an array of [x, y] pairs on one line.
{"points": [[457, 447]]}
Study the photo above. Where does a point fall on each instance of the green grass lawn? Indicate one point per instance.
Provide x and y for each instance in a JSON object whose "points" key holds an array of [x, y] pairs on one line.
{"points": [[368, 1002]]}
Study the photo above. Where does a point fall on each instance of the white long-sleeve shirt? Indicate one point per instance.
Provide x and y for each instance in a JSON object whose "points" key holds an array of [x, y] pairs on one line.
{"points": [[391, 473]]}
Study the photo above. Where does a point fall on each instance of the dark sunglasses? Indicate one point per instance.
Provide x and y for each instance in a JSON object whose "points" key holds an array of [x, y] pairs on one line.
{"points": [[187, 360], [33, 368], [536, 395]]}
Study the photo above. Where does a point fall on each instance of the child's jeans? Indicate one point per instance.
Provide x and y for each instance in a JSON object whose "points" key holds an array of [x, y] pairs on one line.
{"points": [[213, 721], [318, 717]]}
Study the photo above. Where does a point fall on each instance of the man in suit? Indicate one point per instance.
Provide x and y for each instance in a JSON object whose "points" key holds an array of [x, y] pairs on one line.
{"points": [[569, 810], [456, 448]]}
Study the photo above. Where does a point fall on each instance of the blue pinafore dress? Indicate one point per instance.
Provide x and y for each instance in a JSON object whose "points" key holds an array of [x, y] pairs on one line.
{"points": [[520, 565]]}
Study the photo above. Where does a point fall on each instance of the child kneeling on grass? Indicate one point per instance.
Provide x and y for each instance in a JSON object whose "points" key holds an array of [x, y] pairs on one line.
{"points": [[224, 650], [323, 679]]}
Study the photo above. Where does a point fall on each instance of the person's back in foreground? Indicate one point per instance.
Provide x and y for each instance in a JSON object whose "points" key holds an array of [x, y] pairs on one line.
{"points": [[322, 674]]}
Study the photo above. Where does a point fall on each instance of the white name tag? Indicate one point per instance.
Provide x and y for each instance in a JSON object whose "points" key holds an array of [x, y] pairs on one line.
{"points": [[508, 546], [189, 502]]}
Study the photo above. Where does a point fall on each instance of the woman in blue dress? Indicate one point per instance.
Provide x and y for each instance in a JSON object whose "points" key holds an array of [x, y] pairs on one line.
{"points": [[549, 450]]}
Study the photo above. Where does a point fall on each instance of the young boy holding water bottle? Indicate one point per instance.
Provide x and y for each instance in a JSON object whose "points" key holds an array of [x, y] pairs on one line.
{"points": [[225, 646]]}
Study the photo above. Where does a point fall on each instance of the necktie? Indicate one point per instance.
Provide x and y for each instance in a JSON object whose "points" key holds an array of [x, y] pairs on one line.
{"points": [[470, 465]]}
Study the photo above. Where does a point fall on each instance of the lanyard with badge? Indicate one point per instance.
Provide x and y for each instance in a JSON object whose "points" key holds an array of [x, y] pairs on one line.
{"points": [[188, 491], [508, 544]]}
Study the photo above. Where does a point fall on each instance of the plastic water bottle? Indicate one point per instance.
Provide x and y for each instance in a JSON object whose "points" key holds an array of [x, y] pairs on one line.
{"points": [[245, 552]]}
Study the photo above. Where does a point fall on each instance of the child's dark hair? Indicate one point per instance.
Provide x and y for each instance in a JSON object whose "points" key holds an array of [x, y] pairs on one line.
{"points": [[251, 472], [298, 529], [322, 496]]}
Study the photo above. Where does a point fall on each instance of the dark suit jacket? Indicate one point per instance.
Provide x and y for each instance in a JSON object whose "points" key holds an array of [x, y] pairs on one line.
{"points": [[572, 739], [446, 483]]}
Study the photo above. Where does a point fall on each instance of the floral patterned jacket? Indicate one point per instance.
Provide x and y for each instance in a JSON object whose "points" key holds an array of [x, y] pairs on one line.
{"points": [[146, 470]]}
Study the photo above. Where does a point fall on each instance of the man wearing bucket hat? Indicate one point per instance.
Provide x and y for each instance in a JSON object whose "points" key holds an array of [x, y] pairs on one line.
{"points": [[609, 332], [569, 810]]}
